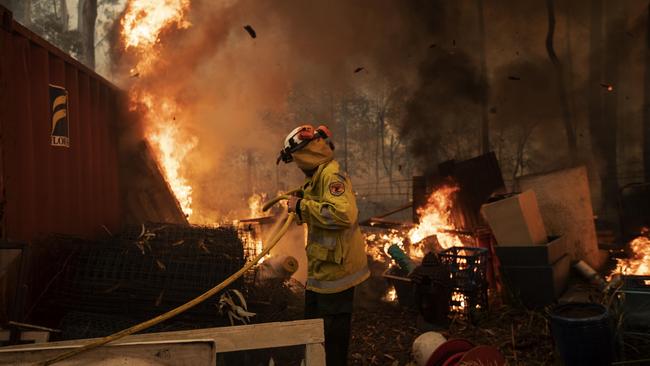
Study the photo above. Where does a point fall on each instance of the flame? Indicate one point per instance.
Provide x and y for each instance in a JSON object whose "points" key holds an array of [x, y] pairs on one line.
{"points": [[391, 295], [435, 218], [639, 263], [164, 133], [255, 204], [377, 244], [142, 25]]}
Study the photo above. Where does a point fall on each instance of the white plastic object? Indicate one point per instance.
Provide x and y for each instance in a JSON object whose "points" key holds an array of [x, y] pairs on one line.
{"points": [[424, 345]]}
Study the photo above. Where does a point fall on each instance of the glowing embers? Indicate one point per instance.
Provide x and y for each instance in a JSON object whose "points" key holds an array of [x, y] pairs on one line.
{"points": [[250, 235], [639, 263], [391, 295]]}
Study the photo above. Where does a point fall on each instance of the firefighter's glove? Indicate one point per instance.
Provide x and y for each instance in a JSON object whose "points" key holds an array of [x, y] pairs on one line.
{"points": [[293, 204]]}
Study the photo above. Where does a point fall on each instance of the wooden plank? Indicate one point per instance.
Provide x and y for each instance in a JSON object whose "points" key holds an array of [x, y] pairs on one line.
{"points": [[180, 352], [228, 339], [315, 354], [36, 336]]}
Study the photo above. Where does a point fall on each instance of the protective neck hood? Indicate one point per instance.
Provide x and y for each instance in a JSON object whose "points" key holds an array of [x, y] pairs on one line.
{"points": [[317, 152]]}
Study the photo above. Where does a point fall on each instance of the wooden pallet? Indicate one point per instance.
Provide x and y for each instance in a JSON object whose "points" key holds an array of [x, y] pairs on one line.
{"points": [[226, 339]]}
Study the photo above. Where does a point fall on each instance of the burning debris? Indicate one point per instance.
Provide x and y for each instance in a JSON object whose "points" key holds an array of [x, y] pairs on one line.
{"points": [[638, 264], [143, 24], [250, 31], [608, 87]]}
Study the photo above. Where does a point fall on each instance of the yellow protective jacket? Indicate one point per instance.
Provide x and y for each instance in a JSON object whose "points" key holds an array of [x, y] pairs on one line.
{"points": [[335, 247]]}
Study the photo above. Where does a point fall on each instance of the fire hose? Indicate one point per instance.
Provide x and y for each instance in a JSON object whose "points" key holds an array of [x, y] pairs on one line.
{"points": [[274, 239]]}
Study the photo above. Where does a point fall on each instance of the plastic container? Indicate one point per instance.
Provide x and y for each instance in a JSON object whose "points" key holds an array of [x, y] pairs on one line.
{"points": [[582, 334]]}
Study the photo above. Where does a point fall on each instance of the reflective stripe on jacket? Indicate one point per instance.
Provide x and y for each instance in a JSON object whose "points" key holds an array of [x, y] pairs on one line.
{"points": [[335, 247]]}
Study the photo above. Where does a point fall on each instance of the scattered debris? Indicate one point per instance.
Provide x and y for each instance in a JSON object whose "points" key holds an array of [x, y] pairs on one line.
{"points": [[228, 306], [250, 31], [161, 265], [160, 297], [107, 231]]}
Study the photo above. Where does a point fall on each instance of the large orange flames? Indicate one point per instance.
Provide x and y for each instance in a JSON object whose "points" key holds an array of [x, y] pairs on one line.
{"points": [[435, 218], [143, 23], [435, 221]]}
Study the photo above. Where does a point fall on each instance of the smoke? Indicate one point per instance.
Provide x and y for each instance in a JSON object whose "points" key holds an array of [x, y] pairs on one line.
{"points": [[446, 105], [526, 126], [231, 89]]}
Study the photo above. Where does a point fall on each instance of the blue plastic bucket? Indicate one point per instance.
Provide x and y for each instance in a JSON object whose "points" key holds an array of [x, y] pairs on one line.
{"points": [[582, 334]]}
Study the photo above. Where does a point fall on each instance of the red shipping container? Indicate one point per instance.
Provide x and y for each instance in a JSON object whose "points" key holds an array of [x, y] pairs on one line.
{"points": [[49, 100]]}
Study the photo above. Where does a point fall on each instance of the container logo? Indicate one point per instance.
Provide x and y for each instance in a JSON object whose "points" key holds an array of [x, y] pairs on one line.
{"points": [[59, 116]]}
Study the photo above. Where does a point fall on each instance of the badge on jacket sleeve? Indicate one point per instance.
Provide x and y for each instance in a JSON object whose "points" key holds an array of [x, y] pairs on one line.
{"points": [[337, 188]]}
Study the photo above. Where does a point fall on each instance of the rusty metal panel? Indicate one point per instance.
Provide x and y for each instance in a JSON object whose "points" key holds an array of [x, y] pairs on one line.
{"points": [[48, 189]]}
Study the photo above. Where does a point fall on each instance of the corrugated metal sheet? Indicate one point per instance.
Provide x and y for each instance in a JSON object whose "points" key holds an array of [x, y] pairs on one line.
{"points": [[52, 189]]}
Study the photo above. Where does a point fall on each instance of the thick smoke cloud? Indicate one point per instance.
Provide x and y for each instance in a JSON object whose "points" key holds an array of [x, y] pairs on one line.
{"points": [[229, 86]]}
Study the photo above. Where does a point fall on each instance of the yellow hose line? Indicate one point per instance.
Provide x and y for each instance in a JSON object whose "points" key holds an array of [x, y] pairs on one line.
{"points": [[188, 305], [278, 198]]}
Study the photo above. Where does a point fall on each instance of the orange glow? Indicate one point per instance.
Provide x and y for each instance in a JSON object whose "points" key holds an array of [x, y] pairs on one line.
{"points": [[142, 25], [391, 295], [255, 204], [639, 263], [377, 244], [459, 301], [435, 219]]}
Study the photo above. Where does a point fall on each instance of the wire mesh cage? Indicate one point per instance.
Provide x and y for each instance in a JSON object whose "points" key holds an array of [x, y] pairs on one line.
{"points": [[149, 269], [468, 272]]}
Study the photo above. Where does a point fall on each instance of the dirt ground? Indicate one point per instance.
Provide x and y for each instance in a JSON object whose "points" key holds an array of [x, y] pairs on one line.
{"points": [[382, 336]]}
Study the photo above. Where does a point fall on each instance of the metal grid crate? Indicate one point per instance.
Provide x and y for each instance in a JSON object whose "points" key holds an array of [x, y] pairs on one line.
{"points": [[468, 272]]}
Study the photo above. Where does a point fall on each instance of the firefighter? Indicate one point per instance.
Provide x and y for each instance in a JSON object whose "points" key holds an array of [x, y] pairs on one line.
{"points": [[335, 247]]}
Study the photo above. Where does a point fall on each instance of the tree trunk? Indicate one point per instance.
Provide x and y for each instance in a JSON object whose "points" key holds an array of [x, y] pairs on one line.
{"points": [[614, 49], [559, 74], [595, 93], [485, 126], [646, 104], [87, 15], [22, 10], [64, 16]]}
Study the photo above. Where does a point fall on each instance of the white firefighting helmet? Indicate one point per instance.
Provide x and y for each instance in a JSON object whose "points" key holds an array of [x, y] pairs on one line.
{"points": [[299, 138]]}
